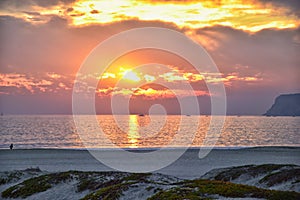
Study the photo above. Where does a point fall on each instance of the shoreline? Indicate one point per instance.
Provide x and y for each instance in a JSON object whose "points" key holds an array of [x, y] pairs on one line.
{"points": [[188, 166]]}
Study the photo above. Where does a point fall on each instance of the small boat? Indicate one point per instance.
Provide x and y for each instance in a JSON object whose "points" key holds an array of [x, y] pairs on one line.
{"points": [[141, 115]]}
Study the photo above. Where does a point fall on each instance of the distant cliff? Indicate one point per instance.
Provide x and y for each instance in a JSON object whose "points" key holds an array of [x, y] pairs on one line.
{"points": [[285, 105]]}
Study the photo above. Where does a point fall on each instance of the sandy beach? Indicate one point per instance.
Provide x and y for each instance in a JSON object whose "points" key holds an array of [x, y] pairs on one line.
{"points": [[188, 166], [264, 172]]}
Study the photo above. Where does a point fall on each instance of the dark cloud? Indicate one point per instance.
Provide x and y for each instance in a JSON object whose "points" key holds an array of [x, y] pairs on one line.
{"points": [[69, 9], [77, 14], [20, 4], [32, 13], [271, 52], [292, 5], [94, 12]]}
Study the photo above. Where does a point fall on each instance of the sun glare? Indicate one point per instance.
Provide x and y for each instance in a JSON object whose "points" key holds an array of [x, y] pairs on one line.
{"points": [[130, 76]]}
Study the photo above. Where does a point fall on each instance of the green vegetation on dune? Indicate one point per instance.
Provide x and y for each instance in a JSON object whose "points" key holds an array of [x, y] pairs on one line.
{"points": [[280, 177], [206, 189], [35, 185], [137, 177], [112, 192], [112, 185], [95, 180], [178, 194], [252, 170], [104, 183], [10, 177], [114, 189], [45, 182], [27, 188], [13, 176]]}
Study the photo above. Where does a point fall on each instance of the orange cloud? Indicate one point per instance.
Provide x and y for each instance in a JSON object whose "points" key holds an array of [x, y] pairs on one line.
{"points": [[108, 75], [104, 91], [193, 77], [52, 82], [246, 15], [21, 81], [172, 76], [166, 93], [231, 78], [54, 75], [152, 93], [149, 78]]}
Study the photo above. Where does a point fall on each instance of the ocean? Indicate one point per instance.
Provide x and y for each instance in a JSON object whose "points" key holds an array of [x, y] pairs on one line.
{"points": [[133, 131]]}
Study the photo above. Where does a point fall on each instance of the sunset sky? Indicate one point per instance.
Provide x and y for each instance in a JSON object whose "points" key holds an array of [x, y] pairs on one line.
{"points": [[254, 43]]}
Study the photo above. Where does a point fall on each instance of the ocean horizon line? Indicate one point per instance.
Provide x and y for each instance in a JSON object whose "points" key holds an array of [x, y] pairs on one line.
{"points": [[158, 148], [141, 114]]}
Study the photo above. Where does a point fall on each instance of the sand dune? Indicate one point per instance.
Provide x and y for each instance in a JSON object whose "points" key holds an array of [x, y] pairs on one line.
{"points": [[35, 184]]}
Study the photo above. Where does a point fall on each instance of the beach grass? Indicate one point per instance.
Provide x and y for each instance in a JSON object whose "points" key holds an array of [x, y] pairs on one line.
{"points": [[208, 189], [112, 185]]}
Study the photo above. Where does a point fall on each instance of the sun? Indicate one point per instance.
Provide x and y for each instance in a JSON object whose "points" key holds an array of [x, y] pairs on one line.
{"points": [[130, 75]]}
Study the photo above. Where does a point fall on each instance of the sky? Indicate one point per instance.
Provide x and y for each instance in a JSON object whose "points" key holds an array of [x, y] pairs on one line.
{"points": [[254, 43]]}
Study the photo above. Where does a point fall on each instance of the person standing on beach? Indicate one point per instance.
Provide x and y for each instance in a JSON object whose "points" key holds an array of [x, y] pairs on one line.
{"points": [[11, 146]]}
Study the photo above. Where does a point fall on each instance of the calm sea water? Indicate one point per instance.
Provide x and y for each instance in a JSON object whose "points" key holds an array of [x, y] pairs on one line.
{"points": [[59, 131]]}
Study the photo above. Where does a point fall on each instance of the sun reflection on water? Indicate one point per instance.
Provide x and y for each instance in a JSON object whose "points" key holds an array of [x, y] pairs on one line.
{"points": [[133, 131]]}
